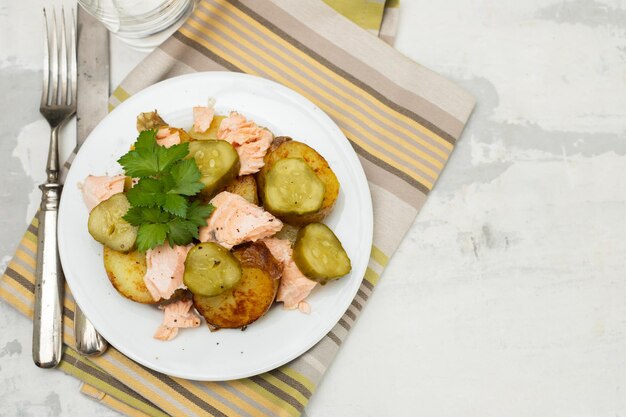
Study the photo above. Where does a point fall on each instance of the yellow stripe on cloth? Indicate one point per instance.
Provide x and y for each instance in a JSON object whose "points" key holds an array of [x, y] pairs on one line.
{"points": [[112, 402]]}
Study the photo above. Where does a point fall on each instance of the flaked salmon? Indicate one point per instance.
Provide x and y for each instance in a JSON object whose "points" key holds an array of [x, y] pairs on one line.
{"points": [[177, 315], [165, 269], [202, 118], [250, 141], [235, 220], [165, 137], [294, 285], [97, 189]]}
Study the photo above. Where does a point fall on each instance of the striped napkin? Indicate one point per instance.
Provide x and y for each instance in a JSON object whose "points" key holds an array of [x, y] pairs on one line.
{"points": [[402, 119]]}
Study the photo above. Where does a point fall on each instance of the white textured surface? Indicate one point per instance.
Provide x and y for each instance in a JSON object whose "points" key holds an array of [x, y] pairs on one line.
{"points": [[508, 296]]}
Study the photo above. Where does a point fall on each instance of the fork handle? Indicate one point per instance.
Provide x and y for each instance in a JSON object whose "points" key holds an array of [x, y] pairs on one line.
{"points": [[48, 318]]}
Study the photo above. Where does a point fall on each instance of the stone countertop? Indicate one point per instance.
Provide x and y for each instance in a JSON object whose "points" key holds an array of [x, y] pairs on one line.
{"points": [[508, 295]]}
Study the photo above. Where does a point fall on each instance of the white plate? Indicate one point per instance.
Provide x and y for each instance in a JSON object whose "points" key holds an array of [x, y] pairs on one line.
{"points": [[280, 335]]}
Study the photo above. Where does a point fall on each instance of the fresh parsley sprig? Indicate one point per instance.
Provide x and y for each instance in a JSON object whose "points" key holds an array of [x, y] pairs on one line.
{"points": [[161, 203]]}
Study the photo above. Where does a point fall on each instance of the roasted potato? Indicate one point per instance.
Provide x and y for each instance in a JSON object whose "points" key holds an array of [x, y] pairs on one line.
{"points": [[149, 120], [251, 297], [244, 186], [284, 147], [126, 272]]}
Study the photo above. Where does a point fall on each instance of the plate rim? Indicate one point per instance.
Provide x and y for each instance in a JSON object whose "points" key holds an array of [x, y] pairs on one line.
{"points": [[357, 169]]}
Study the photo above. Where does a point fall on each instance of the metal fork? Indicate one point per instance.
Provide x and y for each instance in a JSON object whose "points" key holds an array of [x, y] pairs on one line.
{"points": [[58, 104]]}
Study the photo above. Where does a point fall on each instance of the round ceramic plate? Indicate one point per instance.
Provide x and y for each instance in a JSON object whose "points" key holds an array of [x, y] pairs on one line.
{"points": [[280, 335]]}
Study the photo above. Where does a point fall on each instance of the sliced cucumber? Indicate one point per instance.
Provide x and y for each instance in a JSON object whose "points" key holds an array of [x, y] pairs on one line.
{"points": [[218, 162], [210, 270], [107, 226], [291, 187], [319, 254]]}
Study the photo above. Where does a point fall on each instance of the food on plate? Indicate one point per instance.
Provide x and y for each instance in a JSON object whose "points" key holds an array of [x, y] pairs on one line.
{"points": [[149, 121], [210, 133], [107, 225], [126, 272], [253, 295], [285, 148], [288, 232], [244, 186], [319, 254], [236, 221], [210, 269], [176, 315], [292, 188], [168, 136], [250, 140], [294, 285], [96, 189], [202, 118], [188, 226], [165, 266], [218, 163]]}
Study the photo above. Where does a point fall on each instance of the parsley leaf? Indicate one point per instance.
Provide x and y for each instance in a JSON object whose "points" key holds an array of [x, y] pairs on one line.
{"points": [[179, 232], [150, 235], [148, 192], [168, 156], [197, 213], [140, 215], [161, 203], [186, 178], [142, 161], [175, 204]]}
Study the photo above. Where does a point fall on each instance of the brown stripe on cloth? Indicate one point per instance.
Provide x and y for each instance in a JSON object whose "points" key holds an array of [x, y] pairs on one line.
{"points": [[291, 382], [277, 392], [33, 229], [17, 277], [372, 75]]}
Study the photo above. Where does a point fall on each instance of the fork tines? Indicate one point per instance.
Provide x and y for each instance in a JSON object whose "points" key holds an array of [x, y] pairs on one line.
{"points": [[59, 64]]}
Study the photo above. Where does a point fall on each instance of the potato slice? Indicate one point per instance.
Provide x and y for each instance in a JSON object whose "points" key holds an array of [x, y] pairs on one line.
{"points": [[253, 295], [244, 186], [126, 272], [284, 147], [149, 120]]}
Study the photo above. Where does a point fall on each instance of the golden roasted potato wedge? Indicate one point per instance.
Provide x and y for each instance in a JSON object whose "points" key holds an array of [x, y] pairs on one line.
{"points": [[251, 297], [244, 186], [284, 147], [149, 120], [126, 272]]}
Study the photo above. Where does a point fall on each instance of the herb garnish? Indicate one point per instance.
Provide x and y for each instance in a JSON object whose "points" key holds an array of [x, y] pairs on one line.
{"points": [[161, 203]]}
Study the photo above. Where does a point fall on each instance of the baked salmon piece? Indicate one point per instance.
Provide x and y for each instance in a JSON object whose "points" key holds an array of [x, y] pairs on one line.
{"points": [[166, 138], [202, 118], [165, 269], [177, 315], [250, 141], [96, 189], [294, 286], [235, 220]]}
